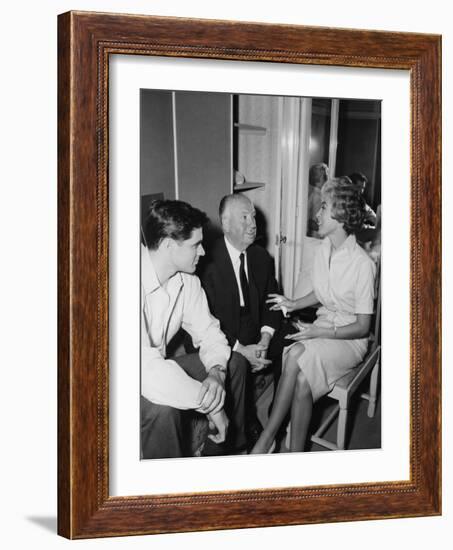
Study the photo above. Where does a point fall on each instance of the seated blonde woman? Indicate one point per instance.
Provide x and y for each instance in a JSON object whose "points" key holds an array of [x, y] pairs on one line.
{"points": [[343, 282]]}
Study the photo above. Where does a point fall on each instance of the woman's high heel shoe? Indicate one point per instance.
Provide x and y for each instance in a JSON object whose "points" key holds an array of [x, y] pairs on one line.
{"points": [[269, 451]]}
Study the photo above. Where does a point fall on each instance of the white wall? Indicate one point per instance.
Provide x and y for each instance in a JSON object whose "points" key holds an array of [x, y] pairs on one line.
{"points": [[28, 122]]}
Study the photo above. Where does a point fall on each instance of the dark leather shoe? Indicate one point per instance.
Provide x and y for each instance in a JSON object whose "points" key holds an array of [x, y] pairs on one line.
{"points": [[253, 433], [213, 449]]}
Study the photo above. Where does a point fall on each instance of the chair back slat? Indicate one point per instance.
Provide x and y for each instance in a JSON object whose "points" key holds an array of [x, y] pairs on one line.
{"points": [[376, 331]]}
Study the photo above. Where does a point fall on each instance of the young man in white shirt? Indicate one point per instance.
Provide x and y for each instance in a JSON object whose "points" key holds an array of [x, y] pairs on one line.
{"points": [[172, 298]]}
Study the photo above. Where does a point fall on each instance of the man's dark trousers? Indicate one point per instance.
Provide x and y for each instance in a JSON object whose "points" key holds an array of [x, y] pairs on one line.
{"points": [[164, 429]]}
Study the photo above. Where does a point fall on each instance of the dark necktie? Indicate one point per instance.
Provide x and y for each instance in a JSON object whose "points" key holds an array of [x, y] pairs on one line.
{"points": [[244, 283]]}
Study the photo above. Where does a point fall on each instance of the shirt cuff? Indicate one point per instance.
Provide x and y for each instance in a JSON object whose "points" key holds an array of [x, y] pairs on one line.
{"points": [[270, 330], [214, 360]]}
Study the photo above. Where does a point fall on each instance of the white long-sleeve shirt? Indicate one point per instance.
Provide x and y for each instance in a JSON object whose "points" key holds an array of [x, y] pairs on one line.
{"points": [[180, 302]]}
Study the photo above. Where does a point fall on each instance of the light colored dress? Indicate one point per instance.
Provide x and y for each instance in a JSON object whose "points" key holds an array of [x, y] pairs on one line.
{"points": [[344, 284]]}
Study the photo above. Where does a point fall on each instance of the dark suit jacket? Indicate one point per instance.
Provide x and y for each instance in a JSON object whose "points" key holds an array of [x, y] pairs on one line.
{"points": [[221, 288]]}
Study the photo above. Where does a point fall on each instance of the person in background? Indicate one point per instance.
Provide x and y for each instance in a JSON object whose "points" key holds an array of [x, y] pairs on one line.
{"points": [[172, 298], [370, 234], [361, 181], [317, 177], [324, 351]]}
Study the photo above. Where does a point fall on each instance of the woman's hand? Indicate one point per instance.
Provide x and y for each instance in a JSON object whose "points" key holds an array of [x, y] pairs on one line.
{"points": [[280, 303], [306, 331]]}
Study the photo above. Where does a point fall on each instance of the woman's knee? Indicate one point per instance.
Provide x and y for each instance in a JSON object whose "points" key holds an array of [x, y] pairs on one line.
{"points": [[292, 356], [302, 388]]}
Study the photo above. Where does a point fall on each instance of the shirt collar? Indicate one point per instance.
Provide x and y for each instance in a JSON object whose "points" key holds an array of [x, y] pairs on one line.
{"points": [[233, 252], [348, 245], [150, 280]]}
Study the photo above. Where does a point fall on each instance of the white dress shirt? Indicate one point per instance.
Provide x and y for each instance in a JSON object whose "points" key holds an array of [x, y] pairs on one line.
{"points": [[180, 302], [235, 254]]}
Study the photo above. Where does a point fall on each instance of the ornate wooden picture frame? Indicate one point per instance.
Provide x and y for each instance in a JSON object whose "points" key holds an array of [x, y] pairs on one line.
{"points": [[85, 508]]}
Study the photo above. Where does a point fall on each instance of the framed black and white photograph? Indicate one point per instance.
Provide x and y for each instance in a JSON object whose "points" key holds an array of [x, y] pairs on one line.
{"points": [[232, 206], [262, 161]]}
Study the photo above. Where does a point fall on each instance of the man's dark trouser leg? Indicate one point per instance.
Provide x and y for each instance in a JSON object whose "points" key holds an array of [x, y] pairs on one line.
{"points": [[249, 333], [235, 410], [161, 430], [164, 430], [234, 402]]}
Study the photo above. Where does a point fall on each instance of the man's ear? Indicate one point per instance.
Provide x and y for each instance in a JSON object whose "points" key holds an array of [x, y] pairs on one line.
{"points": [[225, 222], [166, 243]]}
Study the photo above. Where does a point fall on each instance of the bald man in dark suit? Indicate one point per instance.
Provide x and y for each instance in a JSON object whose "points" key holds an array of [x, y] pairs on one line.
{"points": [[237, 280]]}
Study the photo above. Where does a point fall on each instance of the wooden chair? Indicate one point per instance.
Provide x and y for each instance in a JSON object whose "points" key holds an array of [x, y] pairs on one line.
{"points": [[346, 387]]}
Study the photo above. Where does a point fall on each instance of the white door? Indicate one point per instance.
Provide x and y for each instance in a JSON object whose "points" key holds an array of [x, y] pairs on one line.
{"points": [[299, 150], [291, 208]]}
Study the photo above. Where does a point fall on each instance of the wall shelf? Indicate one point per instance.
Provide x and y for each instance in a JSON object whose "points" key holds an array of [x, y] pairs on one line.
{"points": [[251, 129], [248, 185]]}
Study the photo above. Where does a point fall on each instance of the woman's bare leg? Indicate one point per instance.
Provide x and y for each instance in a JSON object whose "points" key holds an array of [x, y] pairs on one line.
{"points": [[282, 401], [301, 411]]}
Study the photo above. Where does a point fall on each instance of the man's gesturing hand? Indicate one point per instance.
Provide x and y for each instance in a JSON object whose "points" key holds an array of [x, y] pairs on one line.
{"points": [[212, 392]]}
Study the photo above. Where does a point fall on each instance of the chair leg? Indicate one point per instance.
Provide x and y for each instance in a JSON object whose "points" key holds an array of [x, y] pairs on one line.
{"points": [[373, 390], [341, 429]]}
